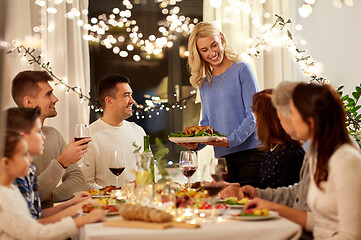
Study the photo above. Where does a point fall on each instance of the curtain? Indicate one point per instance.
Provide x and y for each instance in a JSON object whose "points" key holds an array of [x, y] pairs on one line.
{"points": [[60, 41], [240, 20]]}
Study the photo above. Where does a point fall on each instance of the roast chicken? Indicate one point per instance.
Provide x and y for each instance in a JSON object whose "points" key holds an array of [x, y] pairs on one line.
{"points": [[196, 129]]}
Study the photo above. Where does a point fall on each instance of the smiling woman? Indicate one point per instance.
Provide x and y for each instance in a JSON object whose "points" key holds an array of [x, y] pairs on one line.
{"points": [[226, 88]]}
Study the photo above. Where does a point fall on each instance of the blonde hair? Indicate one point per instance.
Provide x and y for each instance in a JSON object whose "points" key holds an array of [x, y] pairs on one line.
{"points": [[196, 64]]}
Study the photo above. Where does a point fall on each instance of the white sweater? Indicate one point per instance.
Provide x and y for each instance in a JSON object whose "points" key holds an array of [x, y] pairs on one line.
{"points": [[336, 211], [17, 223], [104, 139]]}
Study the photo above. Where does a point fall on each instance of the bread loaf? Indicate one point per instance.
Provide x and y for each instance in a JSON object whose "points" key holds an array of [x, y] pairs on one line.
{"points": [[137, 212]]}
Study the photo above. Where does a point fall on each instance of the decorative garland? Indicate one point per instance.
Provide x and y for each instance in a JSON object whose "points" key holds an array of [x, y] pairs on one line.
{"points": [[155, 105]]}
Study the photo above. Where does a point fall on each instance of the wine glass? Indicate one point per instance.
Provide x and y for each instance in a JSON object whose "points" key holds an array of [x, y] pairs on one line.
{"points": [[117, 164], [82, 131], [188, 163], [218, 171]]}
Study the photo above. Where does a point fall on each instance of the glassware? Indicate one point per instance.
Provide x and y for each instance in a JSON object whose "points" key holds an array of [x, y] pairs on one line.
{"points": [[82, 131], [188, 163], [218, 170], [117, 164]]}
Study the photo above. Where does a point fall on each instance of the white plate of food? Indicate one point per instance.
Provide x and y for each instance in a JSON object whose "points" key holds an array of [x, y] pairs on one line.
{"points": [[256, 217], [192, 139]]}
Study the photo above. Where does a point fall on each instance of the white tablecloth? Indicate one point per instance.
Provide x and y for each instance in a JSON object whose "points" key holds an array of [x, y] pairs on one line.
{"points": [[272, 229]]}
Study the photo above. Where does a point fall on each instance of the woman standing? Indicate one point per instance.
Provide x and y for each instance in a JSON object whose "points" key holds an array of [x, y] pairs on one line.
{"points": [[334, 194], [226, 88]]}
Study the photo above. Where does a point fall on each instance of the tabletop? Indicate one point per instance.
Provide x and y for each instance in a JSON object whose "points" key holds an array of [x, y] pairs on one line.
{"points": [[271, 229]]}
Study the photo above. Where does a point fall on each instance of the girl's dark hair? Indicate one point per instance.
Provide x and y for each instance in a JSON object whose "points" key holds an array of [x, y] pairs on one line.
{"points": [[269, 129], [323, 104], [12, 138]]}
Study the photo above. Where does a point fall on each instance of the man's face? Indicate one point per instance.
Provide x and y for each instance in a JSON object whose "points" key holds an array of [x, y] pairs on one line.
{"points": [[286, 124], [123, 102], [45, 100], [302, 129], [35, 139]]}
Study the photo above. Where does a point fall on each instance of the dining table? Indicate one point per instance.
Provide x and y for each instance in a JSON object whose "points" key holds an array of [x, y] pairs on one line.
{"points": [[277, 228]]}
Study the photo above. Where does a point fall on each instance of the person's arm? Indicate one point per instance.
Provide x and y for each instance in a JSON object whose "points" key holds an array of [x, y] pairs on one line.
{"points": [[18, 224], [80, 197], [281, 195], [345, 168], [248, 126], [71, 211], [49, 178], [73, 182]]}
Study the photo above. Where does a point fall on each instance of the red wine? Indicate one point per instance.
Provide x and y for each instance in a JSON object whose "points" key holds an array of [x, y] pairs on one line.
{"points": [[212, 190], [189, 171], [117, 171], [80, 138], [224, 175]]}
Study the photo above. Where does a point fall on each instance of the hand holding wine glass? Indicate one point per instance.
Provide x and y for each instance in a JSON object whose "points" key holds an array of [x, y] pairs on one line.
{"points": [[116, 164], [188, 163], [82, 131]]}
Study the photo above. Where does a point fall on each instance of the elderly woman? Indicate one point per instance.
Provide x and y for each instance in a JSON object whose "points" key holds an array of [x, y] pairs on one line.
{"points": [[317, 114]]}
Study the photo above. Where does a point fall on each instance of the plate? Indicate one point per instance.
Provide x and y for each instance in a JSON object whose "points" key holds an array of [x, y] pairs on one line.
{"points": [[239, 206], [208, 212], [100, 196], [271, 215], [192, 139]]}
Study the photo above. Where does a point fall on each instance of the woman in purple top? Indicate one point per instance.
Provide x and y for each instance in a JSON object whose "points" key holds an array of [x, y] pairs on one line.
{"points": [[226, 88]]}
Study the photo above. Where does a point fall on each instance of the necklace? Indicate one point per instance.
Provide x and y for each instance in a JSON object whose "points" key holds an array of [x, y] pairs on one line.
{"points": [[219, 84]]}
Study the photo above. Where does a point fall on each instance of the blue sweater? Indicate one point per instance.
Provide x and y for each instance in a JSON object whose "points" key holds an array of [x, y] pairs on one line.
{"points": [[228, 109]]}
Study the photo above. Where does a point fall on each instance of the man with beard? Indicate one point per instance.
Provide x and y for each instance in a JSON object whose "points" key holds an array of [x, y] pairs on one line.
{"points": [[58, 162], [112, 132]]}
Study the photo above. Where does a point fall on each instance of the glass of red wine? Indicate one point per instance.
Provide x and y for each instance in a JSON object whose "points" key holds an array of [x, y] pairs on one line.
{"points": [[117, 164], [188, 163], [218, 171], [82, 131]]}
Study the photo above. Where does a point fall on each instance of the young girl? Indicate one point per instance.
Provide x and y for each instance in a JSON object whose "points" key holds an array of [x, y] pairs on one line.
{"points": [[226, 88], [16, 221], [334, 194]]}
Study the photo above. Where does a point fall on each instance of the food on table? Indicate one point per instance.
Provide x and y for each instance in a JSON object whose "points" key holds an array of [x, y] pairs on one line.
{"points": [[197, 131], [139, 212], [103, 191], [207, 205], [109, 201], [255, 212], [87, 208], [235, 201]]}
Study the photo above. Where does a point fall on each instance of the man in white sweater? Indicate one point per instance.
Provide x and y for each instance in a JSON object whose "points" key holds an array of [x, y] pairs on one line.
{"points": [[113, 132], [58, 162]]}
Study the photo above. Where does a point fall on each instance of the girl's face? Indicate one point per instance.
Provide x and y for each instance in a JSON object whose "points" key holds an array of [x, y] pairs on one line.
{"points": [[35, 139], [20, 161], [211, 49], [302, 129]]}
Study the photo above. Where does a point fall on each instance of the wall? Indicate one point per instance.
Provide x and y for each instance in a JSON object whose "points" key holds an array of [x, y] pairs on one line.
{"points": [[333, 38]]}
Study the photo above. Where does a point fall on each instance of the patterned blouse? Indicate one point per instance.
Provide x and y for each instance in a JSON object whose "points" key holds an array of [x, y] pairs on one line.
{"points": [[281, 168], [28, 187]]}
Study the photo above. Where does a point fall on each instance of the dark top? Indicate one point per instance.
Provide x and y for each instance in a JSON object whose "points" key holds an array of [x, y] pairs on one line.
{"points": [[281, 168]]}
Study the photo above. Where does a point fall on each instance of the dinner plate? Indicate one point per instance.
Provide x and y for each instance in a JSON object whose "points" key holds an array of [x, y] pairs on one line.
{"points": [[192, 139], [271, 215], [235, 206]]}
